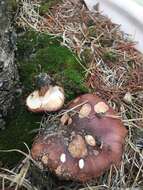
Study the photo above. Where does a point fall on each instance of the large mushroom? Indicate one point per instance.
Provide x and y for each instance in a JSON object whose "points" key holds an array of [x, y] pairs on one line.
{"points": [[85, 142], [48, 97]]}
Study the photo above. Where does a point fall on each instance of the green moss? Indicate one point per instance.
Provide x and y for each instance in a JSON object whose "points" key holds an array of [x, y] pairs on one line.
{"points": [[87, 55], [110, 56], [41, 53], [18, 130], [92, 31], [46, 4], [12, 5]]}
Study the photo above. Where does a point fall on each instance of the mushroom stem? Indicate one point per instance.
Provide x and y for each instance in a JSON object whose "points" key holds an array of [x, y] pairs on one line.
{"points": [[42, 91]]}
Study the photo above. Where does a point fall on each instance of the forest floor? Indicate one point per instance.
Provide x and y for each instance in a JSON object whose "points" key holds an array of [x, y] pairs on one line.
{"points": [[85, 52]]}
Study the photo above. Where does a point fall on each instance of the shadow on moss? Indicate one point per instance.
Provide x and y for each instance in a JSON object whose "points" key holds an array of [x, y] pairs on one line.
{"points": [[18, 131]]}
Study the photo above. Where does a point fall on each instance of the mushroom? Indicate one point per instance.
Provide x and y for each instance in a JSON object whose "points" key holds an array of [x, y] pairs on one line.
{"points": [[86, 147], [48, 97]]}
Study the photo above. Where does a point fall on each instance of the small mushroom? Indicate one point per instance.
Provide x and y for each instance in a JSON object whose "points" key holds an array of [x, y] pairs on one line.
{"points": [[88, 146], [48, 97]]}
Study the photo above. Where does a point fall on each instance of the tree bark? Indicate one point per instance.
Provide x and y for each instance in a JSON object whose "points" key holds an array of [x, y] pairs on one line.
{"points": [[8, 70]]}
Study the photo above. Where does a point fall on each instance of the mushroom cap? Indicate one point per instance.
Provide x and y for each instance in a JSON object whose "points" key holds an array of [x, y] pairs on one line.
{"points": [[85, 148], [48, 98]]}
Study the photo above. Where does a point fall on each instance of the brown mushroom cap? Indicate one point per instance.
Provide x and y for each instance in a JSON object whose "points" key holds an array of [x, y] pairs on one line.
{"points": [[86, 147]]}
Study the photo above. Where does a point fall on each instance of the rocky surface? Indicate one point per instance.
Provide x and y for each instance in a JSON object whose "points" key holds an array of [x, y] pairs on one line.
{"points": [[8, 70]]}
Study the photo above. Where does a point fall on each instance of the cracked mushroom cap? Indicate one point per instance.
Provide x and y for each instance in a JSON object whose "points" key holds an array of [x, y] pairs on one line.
{"points": [[48, 97], [85, 147]]}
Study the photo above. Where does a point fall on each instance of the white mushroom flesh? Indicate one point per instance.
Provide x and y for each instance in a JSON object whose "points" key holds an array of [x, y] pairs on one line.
{"points": [[90, 140], [63, 158], [85, 111], [51, 101], [34, 101], [81, 163], [101, 107]]}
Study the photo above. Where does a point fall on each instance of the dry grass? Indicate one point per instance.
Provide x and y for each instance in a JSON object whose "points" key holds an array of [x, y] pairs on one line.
{"points": [[113, 69], [16, 178]]}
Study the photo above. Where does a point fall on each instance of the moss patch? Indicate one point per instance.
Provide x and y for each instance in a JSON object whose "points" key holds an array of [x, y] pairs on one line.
{"points": [[18, 130], [110, 56], [42, 53]]}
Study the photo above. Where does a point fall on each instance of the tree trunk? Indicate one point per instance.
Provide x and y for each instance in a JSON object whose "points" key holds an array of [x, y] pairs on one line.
{"points": [[8, 70]]}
